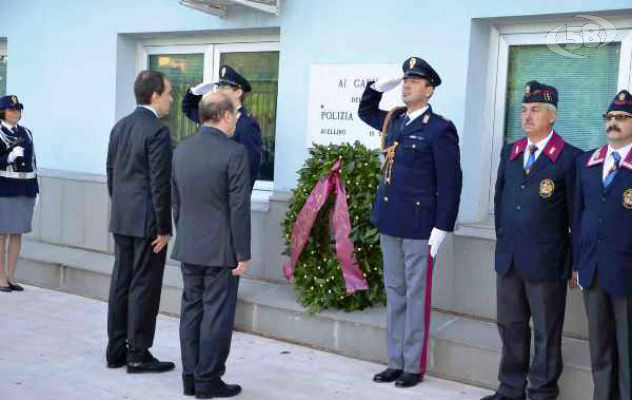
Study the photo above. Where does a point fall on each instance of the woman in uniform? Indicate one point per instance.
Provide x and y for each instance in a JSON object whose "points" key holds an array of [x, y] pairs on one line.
{"points": [[18, 188]]}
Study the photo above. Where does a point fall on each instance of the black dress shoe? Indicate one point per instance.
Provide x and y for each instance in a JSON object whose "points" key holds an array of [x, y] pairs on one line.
{"points": [[189, 385], [153, 365], [6, 289], [217, 389], [407, 380], [116, 364], [16, 287], [388, 375], [497, 396]]}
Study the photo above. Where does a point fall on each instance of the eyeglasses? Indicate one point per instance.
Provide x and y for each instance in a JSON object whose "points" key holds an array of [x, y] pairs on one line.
{"points": [[616, 117]]}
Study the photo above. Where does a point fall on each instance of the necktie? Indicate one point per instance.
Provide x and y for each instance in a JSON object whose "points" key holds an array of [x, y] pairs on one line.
{"points": [[613, 170], [532, 149]]}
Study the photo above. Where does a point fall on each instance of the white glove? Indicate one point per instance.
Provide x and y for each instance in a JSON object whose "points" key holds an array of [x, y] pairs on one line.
{"points": [[202, 89], [386, 84], [17, 151], [437, 236]]}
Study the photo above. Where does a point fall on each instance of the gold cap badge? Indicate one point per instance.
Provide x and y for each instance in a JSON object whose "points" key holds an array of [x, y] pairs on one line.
{"points": [[527, 90], [223, 72], [14, 99], [412, 62], [627, 199], [621, 96], [546, 188]]}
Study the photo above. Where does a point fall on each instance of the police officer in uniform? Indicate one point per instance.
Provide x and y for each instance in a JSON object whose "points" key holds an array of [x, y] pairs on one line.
{"points": [[603, 251], [18, 188], [248, 132], [533, 213], [415, 206]]}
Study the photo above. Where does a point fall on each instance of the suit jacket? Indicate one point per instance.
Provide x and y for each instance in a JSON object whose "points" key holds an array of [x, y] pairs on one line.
{"points": [[425, 188], [247, 132], [533, 212], [211, 200], [603, 224], [139, 175]]}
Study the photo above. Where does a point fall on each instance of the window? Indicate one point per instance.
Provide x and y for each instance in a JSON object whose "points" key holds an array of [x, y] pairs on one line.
{"points": [[586, 87], [187, 65], [261, 68], [3, 67], [518, 54], [183, 71]]}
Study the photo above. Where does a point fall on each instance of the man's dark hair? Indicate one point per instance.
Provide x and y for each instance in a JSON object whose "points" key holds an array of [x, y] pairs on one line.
{"points": [[213, 107], [3, 115], [147, 83]]}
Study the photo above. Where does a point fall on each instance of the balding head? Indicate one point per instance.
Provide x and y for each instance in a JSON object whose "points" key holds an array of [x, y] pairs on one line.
{"points": [[217, 110]]}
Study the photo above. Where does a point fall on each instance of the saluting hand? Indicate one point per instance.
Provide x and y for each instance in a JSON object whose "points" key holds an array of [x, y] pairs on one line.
{"points": [[160, 243], [241, 269], [386, 84]]}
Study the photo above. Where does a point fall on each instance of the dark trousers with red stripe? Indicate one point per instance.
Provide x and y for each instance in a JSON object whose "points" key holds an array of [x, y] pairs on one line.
{"points": [[406, 277], [518, 302]]}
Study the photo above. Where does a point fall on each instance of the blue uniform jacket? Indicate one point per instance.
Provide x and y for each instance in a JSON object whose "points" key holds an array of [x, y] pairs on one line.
{"points": [[603, 225], [11, 187], [425, 187], [247, 132], [533, 212]]}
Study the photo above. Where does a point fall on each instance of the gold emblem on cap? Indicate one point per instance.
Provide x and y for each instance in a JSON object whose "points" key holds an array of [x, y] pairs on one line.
{"points": [[412, 62], [546, 188], [547, 97], [14, 99], [621, 96], [527, 90], [223, 72], [627, 199]]}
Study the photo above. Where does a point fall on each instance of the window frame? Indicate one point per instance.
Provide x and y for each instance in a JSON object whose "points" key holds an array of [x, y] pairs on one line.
{"points": [[4, 53], [516, 34], [212, 48]]}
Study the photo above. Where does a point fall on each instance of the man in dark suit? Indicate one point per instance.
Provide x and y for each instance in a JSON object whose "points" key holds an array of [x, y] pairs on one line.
{"points": [[211, 205], [415, 207], [139, 173], [247, 131], [533, 213], [602, 245]]}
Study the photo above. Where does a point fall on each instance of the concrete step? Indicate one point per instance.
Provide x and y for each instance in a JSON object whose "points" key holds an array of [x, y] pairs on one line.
{"points": [[463, 349]]}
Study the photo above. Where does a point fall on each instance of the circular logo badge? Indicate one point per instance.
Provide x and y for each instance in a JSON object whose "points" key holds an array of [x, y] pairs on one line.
{"points": [[546, 188], [627, 199]]}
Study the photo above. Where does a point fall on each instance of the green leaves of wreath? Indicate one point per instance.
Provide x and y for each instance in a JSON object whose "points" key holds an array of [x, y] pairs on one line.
{"points": [[318, 278]]}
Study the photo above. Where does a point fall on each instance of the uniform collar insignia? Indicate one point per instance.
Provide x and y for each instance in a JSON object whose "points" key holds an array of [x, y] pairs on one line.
{"points": [[628, 161], [554, 147], [552, 150], [517, 148], [598, 156]]}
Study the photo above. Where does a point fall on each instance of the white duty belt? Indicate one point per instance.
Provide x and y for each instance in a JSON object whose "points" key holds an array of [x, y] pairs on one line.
{"points": [[17, 175]]}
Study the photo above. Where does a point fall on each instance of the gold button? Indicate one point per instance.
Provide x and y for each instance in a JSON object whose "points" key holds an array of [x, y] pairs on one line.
{"points": [[418, 204], [414, 146], [385, 198]]}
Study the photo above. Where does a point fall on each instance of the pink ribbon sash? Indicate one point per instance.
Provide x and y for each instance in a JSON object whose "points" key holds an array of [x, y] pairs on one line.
{"points": [[351, 273]]}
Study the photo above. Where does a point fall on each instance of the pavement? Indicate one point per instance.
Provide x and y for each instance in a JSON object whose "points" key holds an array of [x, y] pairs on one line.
{"points": [[52, 348]]}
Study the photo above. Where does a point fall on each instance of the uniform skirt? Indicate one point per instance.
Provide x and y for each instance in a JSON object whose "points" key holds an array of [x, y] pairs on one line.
{"points": [[16, 214]]}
